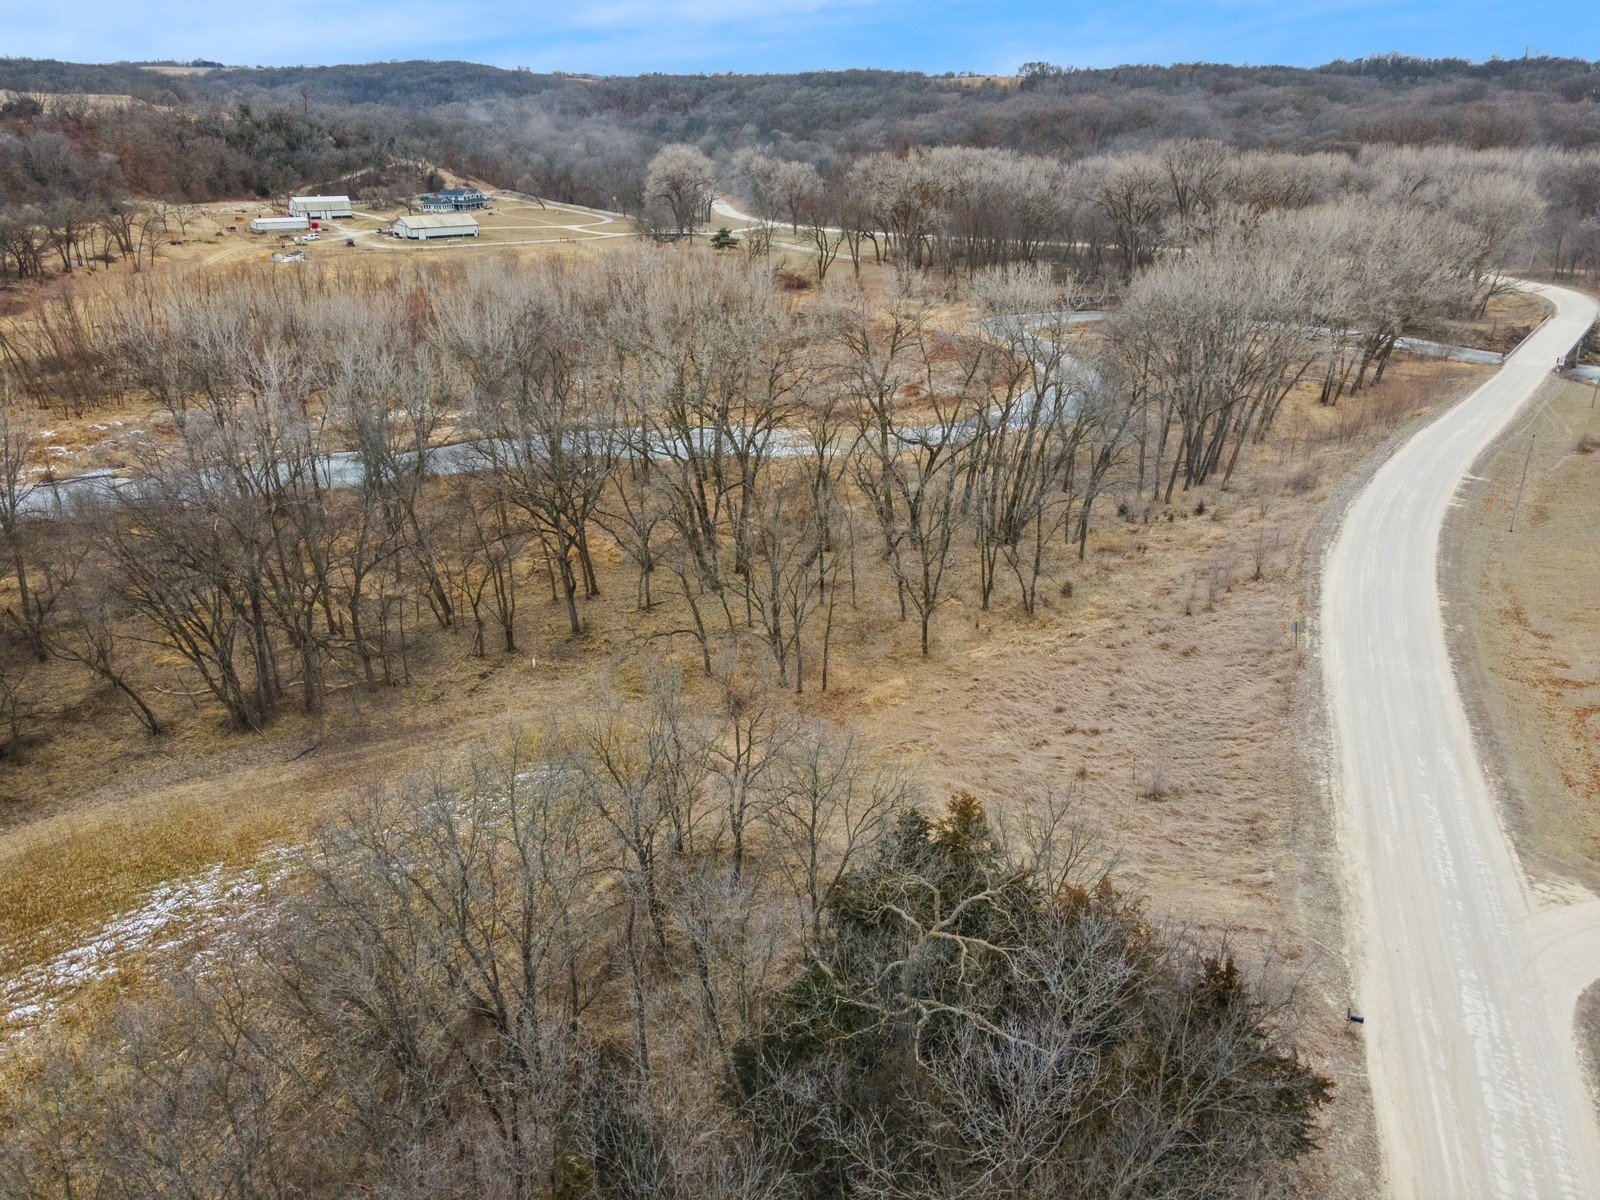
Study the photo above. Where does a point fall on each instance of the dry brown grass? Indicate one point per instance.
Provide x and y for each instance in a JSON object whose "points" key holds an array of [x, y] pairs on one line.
{"points": [[1508, 318], [97, 759], [971, 81], [105, 437], [1170, 653], [1163, 695], [1532, 627]]}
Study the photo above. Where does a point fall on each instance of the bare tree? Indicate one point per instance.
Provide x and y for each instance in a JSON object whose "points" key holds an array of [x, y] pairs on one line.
{"points": [[547, 433], [795, 188], [389, 408], [679, 188], [636, 512], [454, 913], [1131, 194], [833, 802], [92, 638], [1214, 342], [486, 541], [709, 361], [914, 428], [20, 502], [786, 570], [1026, 476]]}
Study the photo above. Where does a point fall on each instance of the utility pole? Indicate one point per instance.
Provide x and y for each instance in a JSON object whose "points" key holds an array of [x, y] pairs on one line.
{"points": [[1520, 486]]}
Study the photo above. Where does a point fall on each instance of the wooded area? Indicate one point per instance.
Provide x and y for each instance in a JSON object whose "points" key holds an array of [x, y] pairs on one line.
{"points": [[639, 963], [357, 455], [66, 167], [697, 939]]}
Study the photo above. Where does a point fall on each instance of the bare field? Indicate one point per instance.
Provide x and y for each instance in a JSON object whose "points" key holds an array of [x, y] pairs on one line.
{"points": [[58, 102], [218, 234], [511, 221], [216, 237]]}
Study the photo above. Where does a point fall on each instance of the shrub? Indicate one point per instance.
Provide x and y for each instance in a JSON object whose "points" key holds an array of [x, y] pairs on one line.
{"points": [[970, 1026]]}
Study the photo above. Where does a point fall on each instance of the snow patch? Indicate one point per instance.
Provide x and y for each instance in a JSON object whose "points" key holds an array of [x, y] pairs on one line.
{"points": [[175, 917]]}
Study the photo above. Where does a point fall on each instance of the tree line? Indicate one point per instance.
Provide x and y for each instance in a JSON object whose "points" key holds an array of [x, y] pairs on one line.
{"points": [[1106, 217]]}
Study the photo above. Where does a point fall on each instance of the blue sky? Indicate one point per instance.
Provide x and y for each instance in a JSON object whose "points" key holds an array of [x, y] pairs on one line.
{"points": [[628, 36]]}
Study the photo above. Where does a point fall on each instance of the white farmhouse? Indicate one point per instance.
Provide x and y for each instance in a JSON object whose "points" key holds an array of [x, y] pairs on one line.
{"points": [[437, 225], [320, 208]]}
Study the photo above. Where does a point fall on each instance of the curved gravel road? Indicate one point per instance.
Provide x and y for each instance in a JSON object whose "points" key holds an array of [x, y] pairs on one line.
{"points": [[1468, 972]]}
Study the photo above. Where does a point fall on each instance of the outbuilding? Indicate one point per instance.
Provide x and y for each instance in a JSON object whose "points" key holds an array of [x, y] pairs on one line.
{"points": [[279, 224], [438, 225], [320, 207]]}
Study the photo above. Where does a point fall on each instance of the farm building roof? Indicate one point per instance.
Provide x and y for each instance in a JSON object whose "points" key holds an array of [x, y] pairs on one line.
{"points": [[436, 221]]}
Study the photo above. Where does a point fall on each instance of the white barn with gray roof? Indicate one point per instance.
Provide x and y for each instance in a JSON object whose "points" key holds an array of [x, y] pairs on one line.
{"points": [[436, 225], [320, 208]]}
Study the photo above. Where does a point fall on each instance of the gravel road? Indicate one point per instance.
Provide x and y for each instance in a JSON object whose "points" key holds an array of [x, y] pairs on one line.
{"points": [[1468, 970]]}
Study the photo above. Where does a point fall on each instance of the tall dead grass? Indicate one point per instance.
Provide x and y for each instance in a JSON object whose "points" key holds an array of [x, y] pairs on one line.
{"points": [[63, 876]]}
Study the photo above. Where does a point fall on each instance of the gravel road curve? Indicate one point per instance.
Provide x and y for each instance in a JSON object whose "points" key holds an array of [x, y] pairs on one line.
{"points": [[1468, 970]]}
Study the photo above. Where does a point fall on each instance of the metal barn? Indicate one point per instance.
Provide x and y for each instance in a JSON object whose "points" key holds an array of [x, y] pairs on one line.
{"points": [[279, 224], [437, 226], [320, 207]]}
